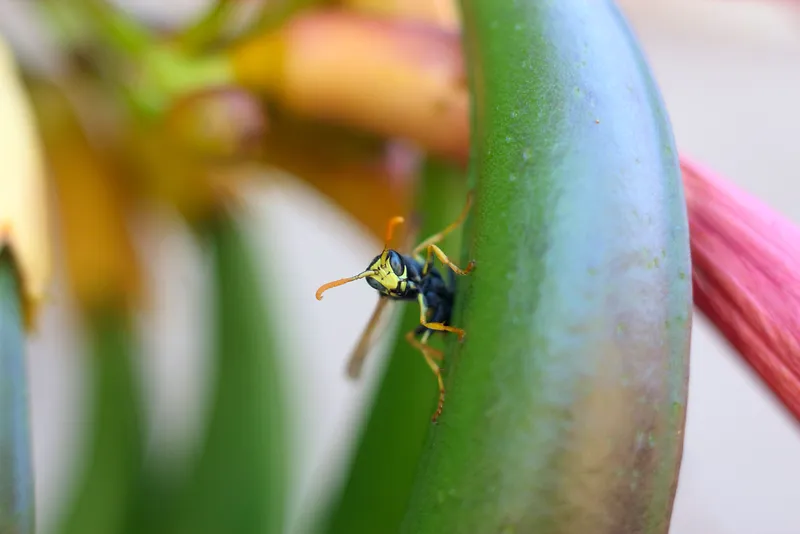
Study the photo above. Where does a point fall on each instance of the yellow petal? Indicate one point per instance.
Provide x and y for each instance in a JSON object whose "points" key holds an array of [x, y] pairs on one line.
{"points": [[92, 199], [23, 218]]}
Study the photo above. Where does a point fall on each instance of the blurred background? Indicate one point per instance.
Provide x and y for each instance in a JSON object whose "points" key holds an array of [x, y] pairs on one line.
{"points": [[730, 75]]}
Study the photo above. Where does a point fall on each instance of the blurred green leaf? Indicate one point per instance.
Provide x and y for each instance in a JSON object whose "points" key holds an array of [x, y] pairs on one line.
{"points": [[239, 482], [103, 501], [566, 402], [277, 11], [16, 473], [210, 28], [376, 490], [115, 27]]}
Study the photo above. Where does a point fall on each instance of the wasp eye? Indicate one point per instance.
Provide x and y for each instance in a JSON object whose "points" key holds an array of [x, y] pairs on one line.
{"points": [[373, 263], [396, 263], [374, 284]]}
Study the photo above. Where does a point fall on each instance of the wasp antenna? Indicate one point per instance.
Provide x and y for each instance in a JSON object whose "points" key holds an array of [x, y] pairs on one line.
{"points": [[393, 223], [323, 288]]}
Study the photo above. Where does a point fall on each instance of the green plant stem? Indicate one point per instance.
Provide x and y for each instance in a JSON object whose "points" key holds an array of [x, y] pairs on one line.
{"points": [[567, 400], [113, 459], [378, 484], [123, 33], [274, 13], [208, 27], [239, 481], [166, 75], [16, 473]]}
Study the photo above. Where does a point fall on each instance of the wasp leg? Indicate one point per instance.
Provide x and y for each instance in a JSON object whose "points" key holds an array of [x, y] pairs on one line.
{"points": [[435, 354], [435, 238], [427, 353], [358, 356], [423, 313], [433, 249]]}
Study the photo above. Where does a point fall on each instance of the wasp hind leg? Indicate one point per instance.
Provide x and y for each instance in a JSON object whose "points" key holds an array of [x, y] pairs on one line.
{"points": [[429, 353], [423, 321]]}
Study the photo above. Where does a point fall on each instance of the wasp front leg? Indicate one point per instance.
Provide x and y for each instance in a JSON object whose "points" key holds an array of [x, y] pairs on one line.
{"points": [[436, 238], [434, 250]]}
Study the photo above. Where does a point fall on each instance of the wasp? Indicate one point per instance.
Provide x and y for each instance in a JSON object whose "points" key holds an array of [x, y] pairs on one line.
{"points": [[399, 277]]}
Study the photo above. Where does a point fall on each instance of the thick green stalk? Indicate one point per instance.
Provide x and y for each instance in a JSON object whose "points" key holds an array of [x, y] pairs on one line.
{"points": [[378, 484], [567, 400], [16, 473], [103, 500], [239, 481]]}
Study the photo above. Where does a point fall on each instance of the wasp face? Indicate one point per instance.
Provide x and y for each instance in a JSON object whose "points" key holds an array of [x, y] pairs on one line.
{"points": [[391, 274]]}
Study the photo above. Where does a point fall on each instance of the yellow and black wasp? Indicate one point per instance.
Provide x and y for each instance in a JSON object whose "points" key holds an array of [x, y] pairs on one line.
{"points": [[410, 277]]}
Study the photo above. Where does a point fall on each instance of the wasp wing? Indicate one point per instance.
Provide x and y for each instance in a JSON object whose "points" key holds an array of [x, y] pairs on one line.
{"points": [[356, 362]]}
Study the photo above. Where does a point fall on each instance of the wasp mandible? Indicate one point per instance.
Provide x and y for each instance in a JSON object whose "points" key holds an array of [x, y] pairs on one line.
{"points": [[411, 277]]}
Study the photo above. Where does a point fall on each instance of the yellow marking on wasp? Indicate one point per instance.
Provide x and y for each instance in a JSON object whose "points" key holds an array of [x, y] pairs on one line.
{"points": [[385, 276]]}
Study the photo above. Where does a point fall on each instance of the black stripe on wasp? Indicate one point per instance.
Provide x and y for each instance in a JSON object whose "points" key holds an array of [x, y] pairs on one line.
{"points": [[400, 277]]}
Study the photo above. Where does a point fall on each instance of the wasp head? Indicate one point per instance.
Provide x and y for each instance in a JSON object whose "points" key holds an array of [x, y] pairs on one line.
{"points": [[388, 274]]}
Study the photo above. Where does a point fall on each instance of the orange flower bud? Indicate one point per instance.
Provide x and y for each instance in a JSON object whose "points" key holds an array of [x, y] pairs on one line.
{"points": [[394, 79]]}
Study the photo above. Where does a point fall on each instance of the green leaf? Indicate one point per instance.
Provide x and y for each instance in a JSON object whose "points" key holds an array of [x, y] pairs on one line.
{"points": [[16, 473], [376, 490], [211, 26], [208, 28], [239, 482], [273, 14], [566, 402], [103, 501]]}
